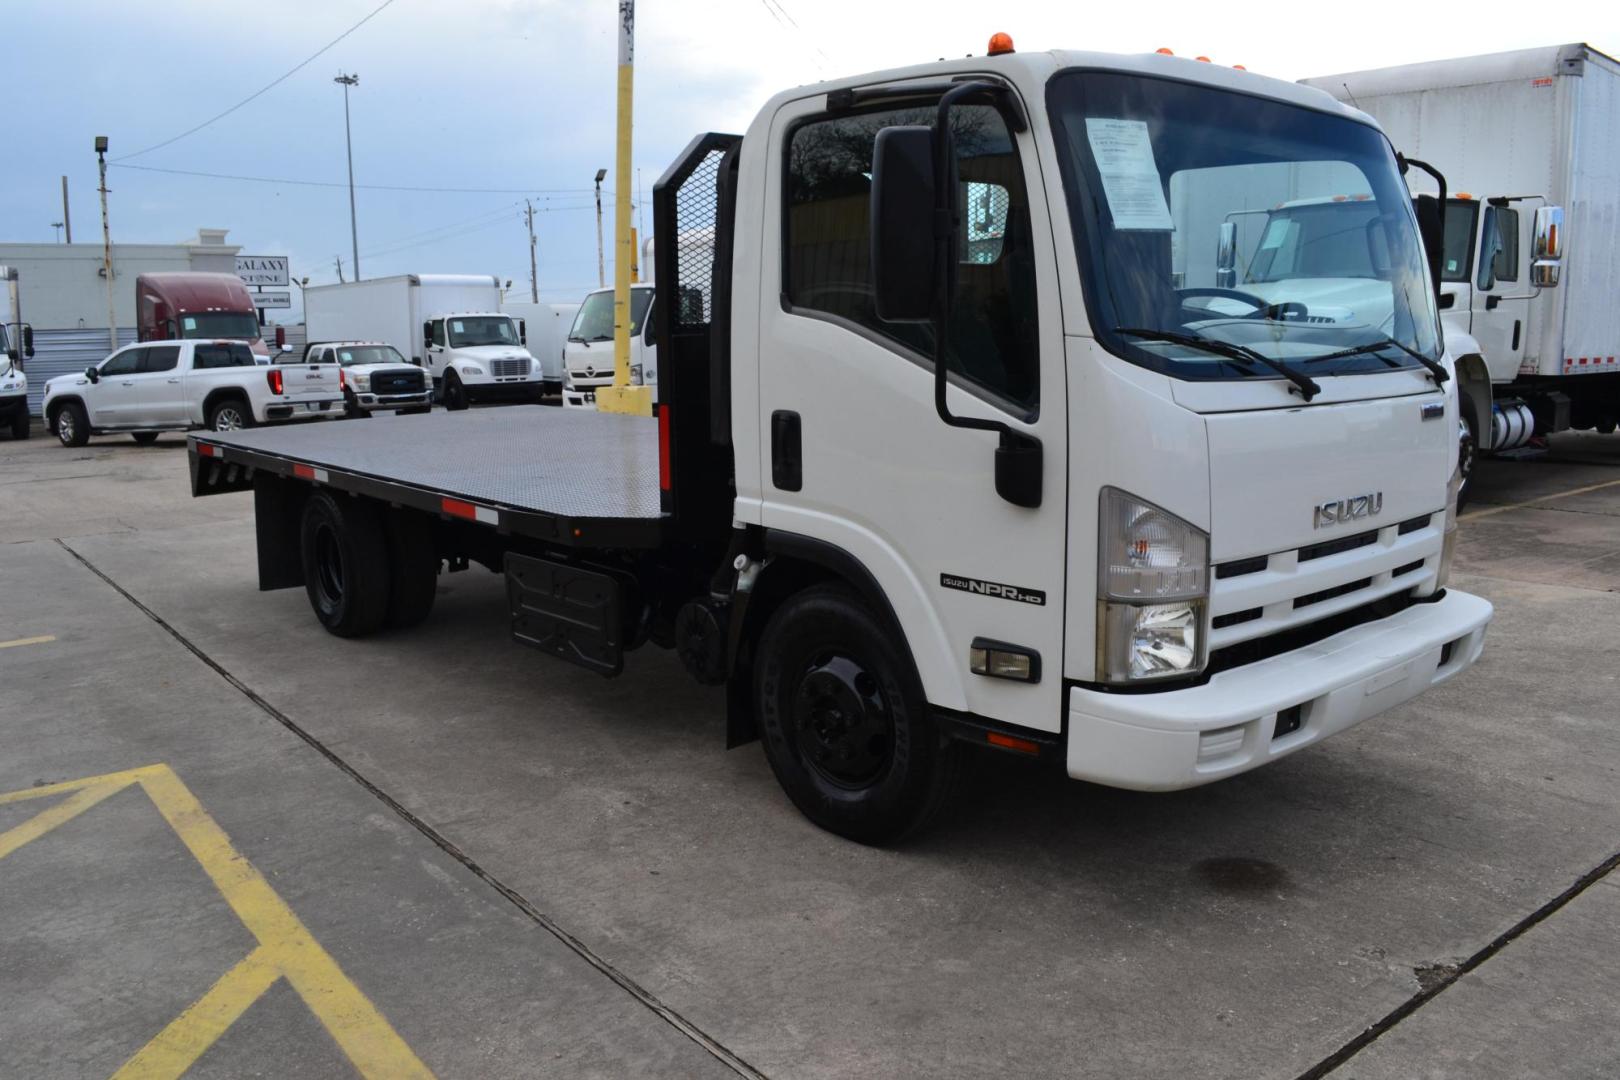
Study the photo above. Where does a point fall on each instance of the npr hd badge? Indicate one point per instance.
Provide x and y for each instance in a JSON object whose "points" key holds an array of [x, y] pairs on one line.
{"points": [[993, 588]]}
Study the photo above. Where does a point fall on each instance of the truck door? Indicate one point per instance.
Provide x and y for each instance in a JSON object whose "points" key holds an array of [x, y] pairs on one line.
{"points": [[112, 401], [1501, 297], [159, 390], [434, 344], [853, 453]]}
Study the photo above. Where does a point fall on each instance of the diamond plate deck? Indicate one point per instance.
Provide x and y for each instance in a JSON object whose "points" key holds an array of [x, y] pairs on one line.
{"points": [[571, 463]]}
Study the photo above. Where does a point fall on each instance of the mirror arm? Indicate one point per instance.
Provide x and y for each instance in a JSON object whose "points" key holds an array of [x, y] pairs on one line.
{"points": [[1018, 456]]}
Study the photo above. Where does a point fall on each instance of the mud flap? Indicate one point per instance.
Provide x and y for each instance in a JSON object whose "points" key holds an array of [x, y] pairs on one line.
{"points": [[568, 611]]}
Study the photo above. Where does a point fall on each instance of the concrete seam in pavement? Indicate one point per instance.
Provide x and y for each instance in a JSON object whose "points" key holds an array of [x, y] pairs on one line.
{"points": [[517, 899], [1411, 1005]]}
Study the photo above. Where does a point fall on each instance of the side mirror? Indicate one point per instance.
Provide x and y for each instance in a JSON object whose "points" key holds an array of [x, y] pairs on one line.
{"points": [[1226, 256], [285, 347], [92, 374], [27, 342], [904, 270], [427, 335], [1547, 247], [1431, 219], [523, 331]]}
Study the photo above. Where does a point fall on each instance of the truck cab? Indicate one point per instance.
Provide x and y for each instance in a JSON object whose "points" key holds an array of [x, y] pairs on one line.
{"points": [[181, 306], [477, 357], [14, 383], [588, 352]]}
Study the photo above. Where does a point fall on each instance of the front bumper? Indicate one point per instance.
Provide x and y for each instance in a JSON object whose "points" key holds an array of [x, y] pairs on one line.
{"points": [[526, 390], [302, 409], [1183, 738], [395, 401]]}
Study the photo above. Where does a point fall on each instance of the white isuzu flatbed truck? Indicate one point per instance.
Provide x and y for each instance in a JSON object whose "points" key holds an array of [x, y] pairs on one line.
{"points": [[948, 452]]}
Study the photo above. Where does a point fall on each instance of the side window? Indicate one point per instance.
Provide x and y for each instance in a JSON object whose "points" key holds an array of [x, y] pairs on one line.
{"points": [[127, 362], [223, 356], [1507, 255], [992, 339], [328, 357], [161, 358], [438, 332], [1457, 247]]}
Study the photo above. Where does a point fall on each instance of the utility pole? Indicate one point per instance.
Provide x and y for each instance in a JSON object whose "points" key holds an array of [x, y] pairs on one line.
{"points": [[534, 277], [67, 219], [601, 267], [621, 397], [106, 246], [57, 225], [339, 260], [354, 234]]}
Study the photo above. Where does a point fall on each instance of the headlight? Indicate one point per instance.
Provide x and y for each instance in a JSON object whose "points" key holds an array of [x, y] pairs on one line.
{"points": [[635, 374], [471, 369], [362, 382], [1152, 591]]}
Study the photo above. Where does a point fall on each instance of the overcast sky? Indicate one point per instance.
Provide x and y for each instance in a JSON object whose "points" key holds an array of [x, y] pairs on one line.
{"points": [[518, 95]]}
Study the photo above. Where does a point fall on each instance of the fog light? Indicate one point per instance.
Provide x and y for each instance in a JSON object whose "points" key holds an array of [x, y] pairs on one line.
{"points": [[1149, 641], [998, 660]]}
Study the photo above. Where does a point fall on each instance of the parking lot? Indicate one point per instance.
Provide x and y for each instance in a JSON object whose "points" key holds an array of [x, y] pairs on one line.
{"points": [[234, 844]]}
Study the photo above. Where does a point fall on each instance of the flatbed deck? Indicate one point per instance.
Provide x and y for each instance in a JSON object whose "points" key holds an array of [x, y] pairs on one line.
{"points": [[569, 476]]}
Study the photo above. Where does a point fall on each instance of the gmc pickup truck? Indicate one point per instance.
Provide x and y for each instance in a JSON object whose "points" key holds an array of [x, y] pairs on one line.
{"points": [[376, 378], [152, 387]]}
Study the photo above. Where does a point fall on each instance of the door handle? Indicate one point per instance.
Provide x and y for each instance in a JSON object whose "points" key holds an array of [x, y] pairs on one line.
{"points": [[173, 381], [787, 451], [127, 382]]}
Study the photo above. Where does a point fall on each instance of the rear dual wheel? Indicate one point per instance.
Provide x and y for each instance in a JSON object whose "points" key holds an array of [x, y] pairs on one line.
{"points": [[363, 570]]}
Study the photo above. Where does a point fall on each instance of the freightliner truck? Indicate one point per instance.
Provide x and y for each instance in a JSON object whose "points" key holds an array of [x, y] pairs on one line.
{"points": [[948, 454], [1528, 144]]}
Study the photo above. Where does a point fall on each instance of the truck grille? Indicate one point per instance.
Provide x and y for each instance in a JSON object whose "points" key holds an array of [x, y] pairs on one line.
{"points": [[1257, 596], [398, 382], [505, 369]]}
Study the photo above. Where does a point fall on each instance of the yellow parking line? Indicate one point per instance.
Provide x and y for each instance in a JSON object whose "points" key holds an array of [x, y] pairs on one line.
{"points": [[42, 639], [177, 1047], [1472, 514], [286, 948]]}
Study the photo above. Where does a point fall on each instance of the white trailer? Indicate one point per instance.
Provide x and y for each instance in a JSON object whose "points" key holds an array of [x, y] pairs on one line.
{"points": [[547, 334], [451, 324], [1529, 145]]}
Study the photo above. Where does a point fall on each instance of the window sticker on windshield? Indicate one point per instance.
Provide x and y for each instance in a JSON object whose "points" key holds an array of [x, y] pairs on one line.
{"points": [[187, 322], [456, 327], [1130, 176]]}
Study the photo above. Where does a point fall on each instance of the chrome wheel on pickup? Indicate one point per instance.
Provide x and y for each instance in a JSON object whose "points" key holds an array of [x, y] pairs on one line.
{"points": [[229, 415]]}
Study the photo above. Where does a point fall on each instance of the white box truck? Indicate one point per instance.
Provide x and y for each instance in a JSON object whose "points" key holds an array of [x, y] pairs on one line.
{"points": [[451, 324], [547, 326], [948, 455], [1528, 144]]}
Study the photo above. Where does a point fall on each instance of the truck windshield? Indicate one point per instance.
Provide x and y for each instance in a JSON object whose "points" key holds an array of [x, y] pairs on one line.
{"points": [[1205, 214], [356, 355], [594, 322], [235, 325], [470, 330]]}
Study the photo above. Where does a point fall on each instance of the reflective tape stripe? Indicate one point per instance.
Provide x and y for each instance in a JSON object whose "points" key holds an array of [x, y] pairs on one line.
{"points": [[309, 472], [485, 515]]}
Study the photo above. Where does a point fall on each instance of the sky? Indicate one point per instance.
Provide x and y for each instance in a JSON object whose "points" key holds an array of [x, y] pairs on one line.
{"points": [[515, 99]]}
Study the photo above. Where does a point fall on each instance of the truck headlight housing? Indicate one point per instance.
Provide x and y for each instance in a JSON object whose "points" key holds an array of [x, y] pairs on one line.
{"points": [[471, 369], [362, 382], [1152, 592]]}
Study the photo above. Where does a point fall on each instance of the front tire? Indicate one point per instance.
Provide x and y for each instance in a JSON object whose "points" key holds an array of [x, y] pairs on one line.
{"points": [[1467, 451], [346, 565], [20, 428], [229, 414], [72, 425], [455, 395], [844, 721]]}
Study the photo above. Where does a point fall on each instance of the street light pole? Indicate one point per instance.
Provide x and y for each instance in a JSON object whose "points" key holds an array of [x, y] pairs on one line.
{"points": [[106, 246], [348, 142], [601, 267]]}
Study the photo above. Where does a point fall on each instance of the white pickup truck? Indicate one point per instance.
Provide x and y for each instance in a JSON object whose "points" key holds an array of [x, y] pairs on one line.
{"points": [[376, 378], [151, 387]]}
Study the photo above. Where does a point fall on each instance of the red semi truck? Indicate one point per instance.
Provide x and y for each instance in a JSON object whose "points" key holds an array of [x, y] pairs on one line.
{"points": [[170, 306]]}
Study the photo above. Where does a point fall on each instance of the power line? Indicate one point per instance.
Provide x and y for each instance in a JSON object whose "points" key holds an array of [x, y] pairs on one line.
{"points": [[478, 223], [288, 181], [264, 89], [780, 13]]}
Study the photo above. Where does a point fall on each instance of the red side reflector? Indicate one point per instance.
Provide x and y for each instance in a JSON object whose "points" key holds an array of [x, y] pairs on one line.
{"points": [[663, 448], [208, 450], [1012, 742], [457, 508], [304, 472]]}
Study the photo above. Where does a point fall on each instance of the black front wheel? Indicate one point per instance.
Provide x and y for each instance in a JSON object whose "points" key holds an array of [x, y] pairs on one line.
{"points": [[455, 395], [844, 720], [1467, 451], [72, 425], [19, 424]]}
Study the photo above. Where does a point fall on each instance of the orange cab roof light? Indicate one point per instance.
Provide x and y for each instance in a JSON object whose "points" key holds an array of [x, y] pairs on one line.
{"points": [[1000, 43], [1462, 195], [1163, 51], [1239, 67], [1202, 59]]}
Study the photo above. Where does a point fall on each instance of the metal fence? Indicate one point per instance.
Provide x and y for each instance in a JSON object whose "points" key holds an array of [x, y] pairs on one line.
{"points": [[67, 352]]}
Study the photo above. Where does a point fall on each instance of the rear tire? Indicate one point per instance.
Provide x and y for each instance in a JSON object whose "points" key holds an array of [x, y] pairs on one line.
{"points": [[229, 414], [20, 427], [346, 564], [844, 720], [144, 438], [414, 569], [455, 395], [72, 425]]}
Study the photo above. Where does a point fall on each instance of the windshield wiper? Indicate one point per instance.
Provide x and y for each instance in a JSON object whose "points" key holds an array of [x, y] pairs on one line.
{"points": [[1436, 371], [1305, 386]]}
